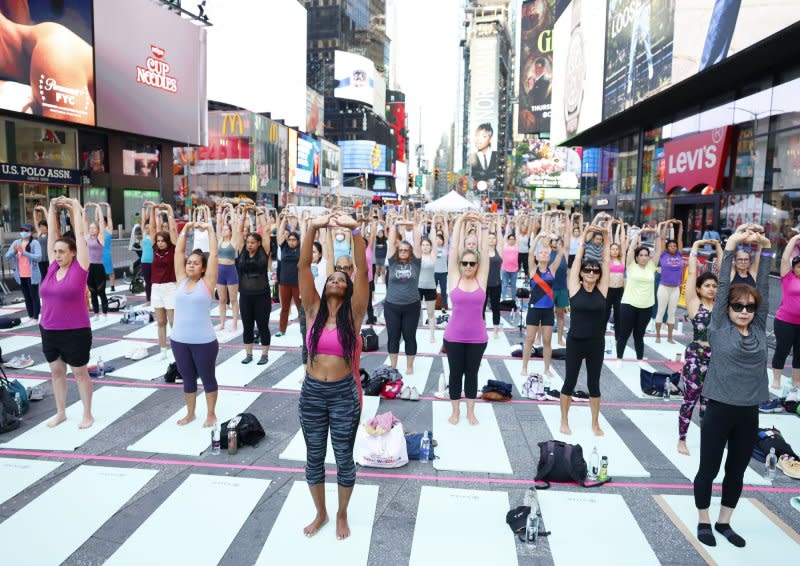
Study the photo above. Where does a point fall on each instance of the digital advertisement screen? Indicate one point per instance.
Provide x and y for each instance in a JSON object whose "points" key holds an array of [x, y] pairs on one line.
{"points": [[53, 76], [292, 155], [355, 77], [151, 71], [536, 66], [484, 76], [308, 160], [315, 112]]}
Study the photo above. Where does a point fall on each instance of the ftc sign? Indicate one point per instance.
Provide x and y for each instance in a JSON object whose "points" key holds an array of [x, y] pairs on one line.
{"points": [[698, 159]]}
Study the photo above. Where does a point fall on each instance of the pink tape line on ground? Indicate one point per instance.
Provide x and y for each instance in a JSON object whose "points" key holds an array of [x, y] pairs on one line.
{"points": [[361, 473]]}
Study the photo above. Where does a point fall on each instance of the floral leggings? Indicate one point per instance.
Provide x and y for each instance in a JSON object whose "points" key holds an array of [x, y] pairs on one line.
{"points": [[694, 373]]}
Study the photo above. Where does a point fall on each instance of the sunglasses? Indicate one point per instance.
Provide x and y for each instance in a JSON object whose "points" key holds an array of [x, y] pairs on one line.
{"points": [[739, 307], [406, 250], [469, 263], [595, 270]]}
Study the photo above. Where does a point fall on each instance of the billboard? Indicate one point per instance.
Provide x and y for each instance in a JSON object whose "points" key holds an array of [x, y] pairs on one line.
{"points": [[292, 156], [536, 66], [360, 156], [397, 122], [48, 70], [315, 112], [484, 77], [540, 164], [228, 147], [150, 70], [355, 77], [379, 96], [308, 160], [331, 177], [639, 37], [271, 164], [578, 37], [697, 159]]}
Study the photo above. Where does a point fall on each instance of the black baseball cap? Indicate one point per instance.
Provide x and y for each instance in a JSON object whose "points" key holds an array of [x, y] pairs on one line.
{"points": [[517, 518]]}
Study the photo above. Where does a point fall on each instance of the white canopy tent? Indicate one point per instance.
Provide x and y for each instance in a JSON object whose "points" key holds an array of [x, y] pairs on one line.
{"points": [[451, 202]]}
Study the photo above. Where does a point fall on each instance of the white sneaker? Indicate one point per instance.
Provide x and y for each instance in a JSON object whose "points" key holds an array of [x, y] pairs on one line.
{"points": [[443, 394], [139, 354], [164, 353], [794, 394]]}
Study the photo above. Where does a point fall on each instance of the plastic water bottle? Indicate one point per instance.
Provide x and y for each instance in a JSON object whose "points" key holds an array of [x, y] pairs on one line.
{"points": [[425, 448], [215, 440], [771, 465], [594, 464], [532, 529], [603, 475], [101, 368], [18, 403], [666, 393]]}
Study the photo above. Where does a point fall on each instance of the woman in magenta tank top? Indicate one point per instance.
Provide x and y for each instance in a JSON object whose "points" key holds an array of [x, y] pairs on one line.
{"points": [[465, 337], [64, 325]]}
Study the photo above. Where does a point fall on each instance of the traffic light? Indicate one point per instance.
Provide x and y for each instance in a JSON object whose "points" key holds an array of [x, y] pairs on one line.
{"points": [[436, 174], [410, 180]]}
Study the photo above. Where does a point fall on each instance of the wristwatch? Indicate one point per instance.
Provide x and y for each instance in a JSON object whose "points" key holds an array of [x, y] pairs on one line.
{"points": [[576, 73]]}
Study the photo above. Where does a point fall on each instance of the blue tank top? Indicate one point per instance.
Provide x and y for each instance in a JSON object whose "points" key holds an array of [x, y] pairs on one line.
{"points": [[107, 245], [542, 290], [192, 314], [147, 249]]}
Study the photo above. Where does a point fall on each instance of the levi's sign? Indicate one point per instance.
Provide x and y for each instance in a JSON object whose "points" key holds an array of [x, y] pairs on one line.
{"points": [[697, 159]]}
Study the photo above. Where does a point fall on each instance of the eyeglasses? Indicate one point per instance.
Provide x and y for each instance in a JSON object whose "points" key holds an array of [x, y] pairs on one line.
{"points": [[742, 259], [469, 263], [343, 268], [739, 307], [406, 250], [595, 270]]}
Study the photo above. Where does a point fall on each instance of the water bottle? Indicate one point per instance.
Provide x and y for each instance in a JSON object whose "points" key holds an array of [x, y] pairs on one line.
{"points": [[18, 403], [594, 464], [215, 440], [101, 368], [233, 441], [771, 465], [603, 475], [666, 393], [532, 529], [425, 448]]}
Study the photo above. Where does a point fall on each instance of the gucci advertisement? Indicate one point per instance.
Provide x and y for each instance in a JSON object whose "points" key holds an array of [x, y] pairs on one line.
{"points": [[578, 36], [51, 71], [536, 66], [639, 36]]}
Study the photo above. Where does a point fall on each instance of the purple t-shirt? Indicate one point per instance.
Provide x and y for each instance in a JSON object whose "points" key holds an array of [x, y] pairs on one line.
{"points": [[671, 269], [64, 302]]}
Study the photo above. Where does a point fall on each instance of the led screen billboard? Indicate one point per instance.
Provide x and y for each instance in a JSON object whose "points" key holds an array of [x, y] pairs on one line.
{"points": [[355, 77], [47, 62], [315, 112], [536, 66], [484, 76], [308, 160]]}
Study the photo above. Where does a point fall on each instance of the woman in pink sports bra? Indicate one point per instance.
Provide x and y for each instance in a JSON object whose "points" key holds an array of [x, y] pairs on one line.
{"points": [[329, 397], [465, 337], [616, 282]]}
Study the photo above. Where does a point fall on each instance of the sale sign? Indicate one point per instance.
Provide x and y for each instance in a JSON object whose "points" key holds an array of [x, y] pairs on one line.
{"points": [[697, 159]]}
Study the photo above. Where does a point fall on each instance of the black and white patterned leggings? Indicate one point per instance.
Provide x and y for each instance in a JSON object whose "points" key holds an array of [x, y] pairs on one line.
{"points": [[330, 405]]}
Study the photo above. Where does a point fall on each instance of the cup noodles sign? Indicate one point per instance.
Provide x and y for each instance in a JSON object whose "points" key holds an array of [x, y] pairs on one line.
{"points": [[698, 159], [155, 73]]}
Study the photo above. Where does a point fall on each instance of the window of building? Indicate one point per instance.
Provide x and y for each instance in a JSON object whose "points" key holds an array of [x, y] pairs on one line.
{"points": [[38, 144], [132, 202], [140, 159]]}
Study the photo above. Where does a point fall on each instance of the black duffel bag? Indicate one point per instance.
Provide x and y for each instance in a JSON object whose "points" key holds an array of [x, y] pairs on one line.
{"points": [[562, 462], [249, 431], [369, 339]]}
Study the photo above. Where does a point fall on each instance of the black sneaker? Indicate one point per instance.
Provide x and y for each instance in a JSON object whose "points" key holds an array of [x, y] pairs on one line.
{"points": [[580, 396], [263, 361], [247, 359]]}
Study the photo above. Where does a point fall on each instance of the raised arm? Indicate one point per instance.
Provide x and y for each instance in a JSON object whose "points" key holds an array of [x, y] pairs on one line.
{"points": [[574, 277], [605, 275], [281, 234], [101, 225], [308, 293], [173, 227], [179, 258], [212, 265], [266, 230], [483, 272], [237, 234], [53, 229], [692, 300], [633, 243], [788, 253], [762, 279], [659, 245], [391, 242], [719, 315], [108, 220], [361, 275], [453, 273], [80, 240]]}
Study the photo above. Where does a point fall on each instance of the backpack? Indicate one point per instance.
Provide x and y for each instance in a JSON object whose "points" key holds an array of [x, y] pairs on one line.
{"points": [[172, 374], [249, 431], [413, 440], [15, 388], [10, 413], [117, 302], [137, 285], [767, 438], [9, 321], [369, 339], [562, 462], [391, 389], [652, 382]]}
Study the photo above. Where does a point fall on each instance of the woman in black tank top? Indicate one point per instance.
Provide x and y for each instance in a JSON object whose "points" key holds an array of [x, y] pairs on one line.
{"points": [[587, 285]]}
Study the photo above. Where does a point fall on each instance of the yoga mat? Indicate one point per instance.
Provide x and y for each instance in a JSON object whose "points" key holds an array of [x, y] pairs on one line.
{"points": [[661, 428], [184, 514], [498, 346], [147, 332], [629, 374], [768, 538], [457, 523], [485, 373], [103, 322], [287, 544], [12, 311], [292, 339], [55, 524], [14, 343], [192, 439], [232, 372], [621, 461], [605, 522], [665, 349], [293, 381], [275, 314], [108, 404], [296, 450], [108, 351], [787, 423], [224, 336], [422, 369], [424, 344], [148, 369], [20, 473], [611, 349], [535, 365], [467, 448]]}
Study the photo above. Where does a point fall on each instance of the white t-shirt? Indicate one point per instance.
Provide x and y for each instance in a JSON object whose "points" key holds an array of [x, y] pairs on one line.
{"points": [[320, 272], [200, 241]]}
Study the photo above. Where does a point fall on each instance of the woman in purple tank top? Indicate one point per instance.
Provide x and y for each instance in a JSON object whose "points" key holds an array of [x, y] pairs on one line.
{"points": [[66, 332], [465, 337]]}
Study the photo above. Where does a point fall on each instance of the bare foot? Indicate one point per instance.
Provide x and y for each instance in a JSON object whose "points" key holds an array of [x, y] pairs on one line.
{"points": [[433, 339], [186, 420], [57, 420], [670, 340], [496, 333], [524, 372], [211, 420], [453, 420], [682, 449], [234, 328], [342, 528], [597, 430], [86, 422], [472, 419], [775, 385], [562, 344], [409, 371], [219, 327], [658, 339], [314, 526], [548, 372], [565, 429]]}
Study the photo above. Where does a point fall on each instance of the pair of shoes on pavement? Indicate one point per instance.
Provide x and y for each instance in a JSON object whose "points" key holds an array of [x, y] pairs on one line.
{"points": [[789, 466], [139, 353], [409, 394], [19, 362], [262, 362], [580, 396], [773, 406]]}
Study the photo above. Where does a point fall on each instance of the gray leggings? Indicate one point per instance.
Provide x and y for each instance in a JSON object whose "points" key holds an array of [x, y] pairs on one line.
{"points": [[330, 405]]}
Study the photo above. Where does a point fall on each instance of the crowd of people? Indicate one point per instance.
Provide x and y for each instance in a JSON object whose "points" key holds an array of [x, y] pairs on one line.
{"points": [[463, 264]]}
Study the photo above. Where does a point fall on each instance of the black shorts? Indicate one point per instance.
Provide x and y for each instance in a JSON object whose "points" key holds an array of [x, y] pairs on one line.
{"points": [[427, 294], [545, 317], [72, 346]]}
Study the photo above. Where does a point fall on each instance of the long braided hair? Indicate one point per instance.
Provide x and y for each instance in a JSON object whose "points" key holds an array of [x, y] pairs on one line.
{"points": [[344, 324]]}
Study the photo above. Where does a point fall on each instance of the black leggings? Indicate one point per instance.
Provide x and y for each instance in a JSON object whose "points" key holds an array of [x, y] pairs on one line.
{"points": [[97, 286], [402, 320], [31, 293], [634, 320], [493, 298], [370, 308], [613, 300], [464, 360], [593, 351], [724, 424], [787, 337], [254, 309]]}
